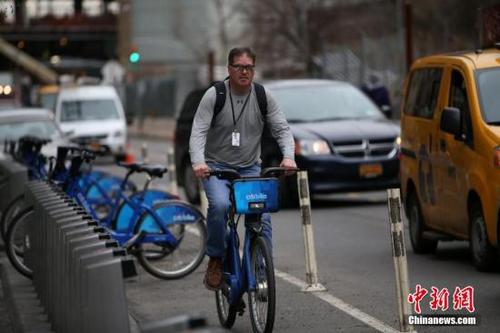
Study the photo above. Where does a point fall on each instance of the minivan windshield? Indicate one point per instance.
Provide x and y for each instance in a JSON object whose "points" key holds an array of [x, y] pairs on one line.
{"points": [[312, 103], [88, 109], [488, 81]]}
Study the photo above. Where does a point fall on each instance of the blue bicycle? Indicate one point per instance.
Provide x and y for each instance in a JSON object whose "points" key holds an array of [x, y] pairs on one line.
{"points": [[99, 187], [253, 272], [168, 237]]}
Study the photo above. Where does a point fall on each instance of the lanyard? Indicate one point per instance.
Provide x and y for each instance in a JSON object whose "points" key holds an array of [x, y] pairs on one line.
{"points": [[235, 121]]}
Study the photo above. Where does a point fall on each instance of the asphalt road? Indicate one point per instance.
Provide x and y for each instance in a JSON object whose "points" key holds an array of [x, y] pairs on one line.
{"points": [[355, 264]]}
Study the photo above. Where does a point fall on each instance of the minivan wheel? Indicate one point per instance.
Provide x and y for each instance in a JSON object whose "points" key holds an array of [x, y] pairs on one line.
{"points": [[483, 254], [191, 185], [417, 226]]}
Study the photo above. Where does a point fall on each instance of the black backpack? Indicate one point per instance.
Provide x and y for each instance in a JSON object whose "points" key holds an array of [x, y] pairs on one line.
{"points": [[220, 99]]}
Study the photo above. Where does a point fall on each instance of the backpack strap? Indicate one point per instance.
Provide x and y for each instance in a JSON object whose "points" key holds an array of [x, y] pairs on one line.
{"points": [[260, 92], [220, 99]]}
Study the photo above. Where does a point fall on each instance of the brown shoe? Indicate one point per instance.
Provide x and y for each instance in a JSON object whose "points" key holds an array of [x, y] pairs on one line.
{"points": [[213, 276]]}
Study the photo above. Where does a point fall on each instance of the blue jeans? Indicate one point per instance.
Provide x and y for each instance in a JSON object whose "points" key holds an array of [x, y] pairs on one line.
{"points": [[217, 191]]}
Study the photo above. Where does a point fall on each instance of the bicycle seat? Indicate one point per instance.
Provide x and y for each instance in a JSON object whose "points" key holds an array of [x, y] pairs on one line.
{"points": [[134, 167], [152, 170]]}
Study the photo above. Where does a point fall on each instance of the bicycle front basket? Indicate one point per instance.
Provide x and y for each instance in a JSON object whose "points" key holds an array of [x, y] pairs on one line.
{"points": [[256, 195]]}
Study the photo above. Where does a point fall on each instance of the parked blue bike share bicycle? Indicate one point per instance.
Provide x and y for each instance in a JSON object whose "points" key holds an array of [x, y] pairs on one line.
{"points": [[168, 237], [253, 272], [27, 151]]}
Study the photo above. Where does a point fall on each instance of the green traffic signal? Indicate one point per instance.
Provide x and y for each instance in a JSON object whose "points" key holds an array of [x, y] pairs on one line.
{"points": [[134, 57]]}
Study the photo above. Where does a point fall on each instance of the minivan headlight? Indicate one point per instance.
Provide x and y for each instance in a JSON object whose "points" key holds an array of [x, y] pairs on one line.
{"points": [[398, 141], [312, 147], [118, 134]]}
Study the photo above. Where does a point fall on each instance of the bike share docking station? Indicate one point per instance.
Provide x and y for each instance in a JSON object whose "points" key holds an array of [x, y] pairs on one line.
{"points": [[78, 269]]}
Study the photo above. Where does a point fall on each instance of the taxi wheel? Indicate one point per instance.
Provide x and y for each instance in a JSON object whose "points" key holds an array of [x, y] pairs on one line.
{"points": [[483, 254], [419, 244]]}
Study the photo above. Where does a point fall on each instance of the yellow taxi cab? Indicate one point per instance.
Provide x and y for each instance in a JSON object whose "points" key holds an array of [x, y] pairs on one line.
{"points": [[450, 152]]}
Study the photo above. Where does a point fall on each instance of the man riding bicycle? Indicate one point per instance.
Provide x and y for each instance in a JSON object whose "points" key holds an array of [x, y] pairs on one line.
{"points": [[226, 134]]}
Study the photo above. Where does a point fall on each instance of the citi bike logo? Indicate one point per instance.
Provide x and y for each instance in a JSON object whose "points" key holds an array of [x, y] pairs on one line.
{"points": [[256, 196], [184, 217]]}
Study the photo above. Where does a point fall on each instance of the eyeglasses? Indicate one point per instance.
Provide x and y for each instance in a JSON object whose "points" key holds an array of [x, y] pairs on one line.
{"points": [[241, 68]]}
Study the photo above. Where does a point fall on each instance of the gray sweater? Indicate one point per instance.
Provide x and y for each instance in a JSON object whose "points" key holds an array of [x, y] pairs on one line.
{"points": [[213, 144]]}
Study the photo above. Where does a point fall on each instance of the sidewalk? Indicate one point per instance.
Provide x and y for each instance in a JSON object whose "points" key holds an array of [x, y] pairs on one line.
{"points": [[153, 128]]}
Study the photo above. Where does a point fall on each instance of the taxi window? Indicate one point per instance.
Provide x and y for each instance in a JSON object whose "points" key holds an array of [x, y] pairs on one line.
{"points": [[459, 100], [423, 92], [488, 81]]}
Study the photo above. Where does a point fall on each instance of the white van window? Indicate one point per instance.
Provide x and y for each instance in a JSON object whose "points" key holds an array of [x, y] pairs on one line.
{"points": [[82, 110]]}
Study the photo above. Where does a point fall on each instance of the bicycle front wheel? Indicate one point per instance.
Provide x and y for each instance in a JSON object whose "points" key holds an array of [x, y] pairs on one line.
{"points": [[181, 256], [226, 311], [262, 300], [16, 241]]}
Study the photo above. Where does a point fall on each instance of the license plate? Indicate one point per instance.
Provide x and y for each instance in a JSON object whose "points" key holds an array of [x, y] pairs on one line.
{"points": [[371, 170], [95, 145]]}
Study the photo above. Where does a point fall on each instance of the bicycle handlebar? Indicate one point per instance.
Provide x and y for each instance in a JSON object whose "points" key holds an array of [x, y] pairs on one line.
{"points": [[230, 174], [225, 174], [278, 171]]}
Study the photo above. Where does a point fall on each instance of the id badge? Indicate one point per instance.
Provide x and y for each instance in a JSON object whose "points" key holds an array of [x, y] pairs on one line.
{"points": [[235, 141]]}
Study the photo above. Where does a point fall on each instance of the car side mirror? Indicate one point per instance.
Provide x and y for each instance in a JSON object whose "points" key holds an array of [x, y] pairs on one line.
{"points": [[450, 121]]}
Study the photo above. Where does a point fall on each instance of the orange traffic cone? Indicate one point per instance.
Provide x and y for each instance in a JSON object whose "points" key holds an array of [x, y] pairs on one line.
{"points": [[129, 158]]}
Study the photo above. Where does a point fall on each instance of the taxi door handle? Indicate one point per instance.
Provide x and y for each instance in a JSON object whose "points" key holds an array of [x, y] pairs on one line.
{"points": [[442, 145]]}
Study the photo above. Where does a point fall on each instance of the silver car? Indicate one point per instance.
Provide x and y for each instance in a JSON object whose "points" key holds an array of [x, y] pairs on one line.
{"points": [[18, 122]]}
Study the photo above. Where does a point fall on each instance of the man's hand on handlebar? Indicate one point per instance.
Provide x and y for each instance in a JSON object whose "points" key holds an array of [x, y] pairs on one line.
{"points": [[201, 170], [288, 163]]}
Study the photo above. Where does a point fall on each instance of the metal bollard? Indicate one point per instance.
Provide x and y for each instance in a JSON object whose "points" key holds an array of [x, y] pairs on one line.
{"points": [[172, 172], [399, 255], [144, 152], [310, 253]]}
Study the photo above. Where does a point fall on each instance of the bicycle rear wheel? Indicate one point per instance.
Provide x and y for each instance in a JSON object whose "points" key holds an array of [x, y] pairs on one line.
{"points": [[262, 301], [173, 261], [12, 209], [16, 241], [225, 311]]}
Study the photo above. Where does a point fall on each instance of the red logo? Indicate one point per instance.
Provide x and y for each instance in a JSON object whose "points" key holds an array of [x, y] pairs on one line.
{"points": [[463, 298], [439, 299], [417, 297]]}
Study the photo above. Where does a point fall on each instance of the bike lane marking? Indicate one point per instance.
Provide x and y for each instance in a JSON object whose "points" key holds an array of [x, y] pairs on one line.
{"points": [[339, 304]]}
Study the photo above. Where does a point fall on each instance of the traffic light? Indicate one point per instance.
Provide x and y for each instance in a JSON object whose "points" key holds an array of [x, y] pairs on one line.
{"points": [[134, 56]]}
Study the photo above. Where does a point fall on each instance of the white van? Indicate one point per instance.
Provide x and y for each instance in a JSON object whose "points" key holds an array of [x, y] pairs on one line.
{"points": [[93, 115]]}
